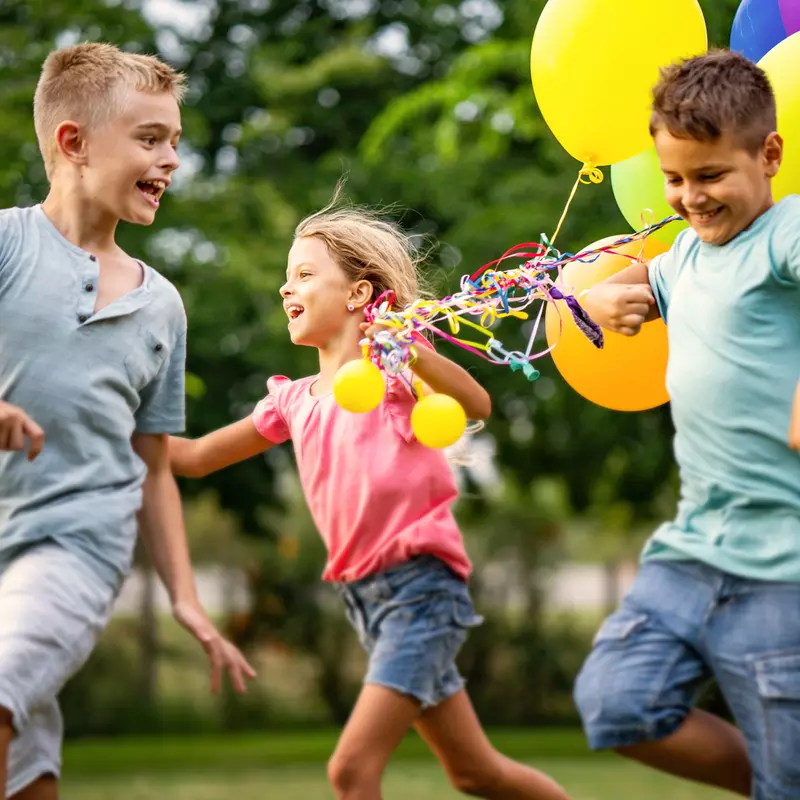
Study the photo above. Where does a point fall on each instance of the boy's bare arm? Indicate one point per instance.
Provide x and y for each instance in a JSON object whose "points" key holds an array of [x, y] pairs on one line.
{"points": [[163, 532], [623, 302]]}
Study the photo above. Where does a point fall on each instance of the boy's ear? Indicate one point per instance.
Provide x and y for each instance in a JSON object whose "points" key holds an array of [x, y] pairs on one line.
{"points": [[772, 153], [71, 142]]}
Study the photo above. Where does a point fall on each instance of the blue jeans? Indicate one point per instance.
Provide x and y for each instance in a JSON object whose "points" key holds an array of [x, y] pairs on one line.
{"points": [[412, 620], [681, 622]]}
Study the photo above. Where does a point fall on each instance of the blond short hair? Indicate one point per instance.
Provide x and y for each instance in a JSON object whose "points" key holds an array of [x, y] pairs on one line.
{"points": [[86, 83], [367, 247]]}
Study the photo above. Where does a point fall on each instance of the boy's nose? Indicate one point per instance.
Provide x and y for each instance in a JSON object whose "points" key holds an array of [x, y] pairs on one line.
{"points": [[694, 196]]}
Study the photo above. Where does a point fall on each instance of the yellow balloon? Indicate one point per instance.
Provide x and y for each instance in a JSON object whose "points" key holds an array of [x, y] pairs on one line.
{"points": [[781, 64], [438, 421], [358, 386], [594, 64]]}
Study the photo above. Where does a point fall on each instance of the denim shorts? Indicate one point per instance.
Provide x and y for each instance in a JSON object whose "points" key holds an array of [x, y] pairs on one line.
{"points": [[681, 623], [412, 620], [52, 609]]}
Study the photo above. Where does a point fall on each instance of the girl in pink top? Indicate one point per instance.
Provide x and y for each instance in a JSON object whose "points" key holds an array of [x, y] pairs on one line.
{"points": [[382, 503]]}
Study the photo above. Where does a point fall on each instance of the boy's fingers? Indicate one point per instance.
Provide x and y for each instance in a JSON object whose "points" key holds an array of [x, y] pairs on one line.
{"points": [[36, 437], [640, 293]]}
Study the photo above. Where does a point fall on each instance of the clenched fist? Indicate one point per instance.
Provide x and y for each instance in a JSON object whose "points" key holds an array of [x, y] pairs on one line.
{"points": [[619, 307], [15, 427]]}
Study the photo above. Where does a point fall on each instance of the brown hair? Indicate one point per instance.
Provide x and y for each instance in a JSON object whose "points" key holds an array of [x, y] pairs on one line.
{"points": [[706, 96], [86, 83], [367, 247]]}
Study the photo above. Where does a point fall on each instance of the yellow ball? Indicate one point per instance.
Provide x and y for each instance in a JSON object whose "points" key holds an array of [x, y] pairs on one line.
{"points": [[438, 421], [358, 386]]}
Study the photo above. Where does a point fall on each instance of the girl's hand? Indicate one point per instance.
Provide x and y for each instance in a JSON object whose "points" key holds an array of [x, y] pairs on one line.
{"points": [[371, 328]]}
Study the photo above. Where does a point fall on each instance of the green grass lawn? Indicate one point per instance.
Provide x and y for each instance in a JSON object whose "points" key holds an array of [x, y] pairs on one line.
{"points": [[291, 766]]}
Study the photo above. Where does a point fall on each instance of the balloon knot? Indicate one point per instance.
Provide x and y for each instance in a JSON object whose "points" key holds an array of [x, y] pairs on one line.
{"points": [[589, 173]]}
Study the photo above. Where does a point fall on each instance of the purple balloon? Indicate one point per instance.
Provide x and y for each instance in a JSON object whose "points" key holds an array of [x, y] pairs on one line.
{"points": [[790, 14]]}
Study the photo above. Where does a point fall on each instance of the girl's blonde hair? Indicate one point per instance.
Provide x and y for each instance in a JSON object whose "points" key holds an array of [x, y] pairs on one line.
{"points": [[367, 247]]}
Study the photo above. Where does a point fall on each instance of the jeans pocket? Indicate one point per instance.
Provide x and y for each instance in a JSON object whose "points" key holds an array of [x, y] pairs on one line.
{"points": [[464, 615], [618, 627], [778, 680]]}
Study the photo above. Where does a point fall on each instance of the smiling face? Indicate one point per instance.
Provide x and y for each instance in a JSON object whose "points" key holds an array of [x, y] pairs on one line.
{"points": [[129, 160], [719, 187], [317, 293]]}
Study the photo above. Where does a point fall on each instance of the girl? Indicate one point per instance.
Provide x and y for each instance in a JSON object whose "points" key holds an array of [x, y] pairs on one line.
{"points": [[382, 503]]}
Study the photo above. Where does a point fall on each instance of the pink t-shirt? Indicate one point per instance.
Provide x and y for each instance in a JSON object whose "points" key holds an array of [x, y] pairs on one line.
{"points": [[378, 497]]}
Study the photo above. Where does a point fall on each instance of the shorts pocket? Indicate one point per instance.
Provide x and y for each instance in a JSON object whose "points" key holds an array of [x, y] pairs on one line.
{"points": [[778, 680], [620, 626], [464, 615]]}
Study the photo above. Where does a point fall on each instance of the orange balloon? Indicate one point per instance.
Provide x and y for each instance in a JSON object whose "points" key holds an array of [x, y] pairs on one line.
{"points": [[629, 373]]}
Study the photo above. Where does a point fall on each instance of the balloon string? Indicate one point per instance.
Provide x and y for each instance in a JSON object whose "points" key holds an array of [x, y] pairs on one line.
{"points": [[588, 173]]}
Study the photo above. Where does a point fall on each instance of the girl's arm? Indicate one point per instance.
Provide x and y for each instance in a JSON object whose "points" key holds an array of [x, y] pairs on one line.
{"points": [[443, 376], [195, 458], [794, 430]]}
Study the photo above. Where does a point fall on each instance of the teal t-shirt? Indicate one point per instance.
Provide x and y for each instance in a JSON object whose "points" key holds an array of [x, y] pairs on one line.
{"points": [[733, 320]]}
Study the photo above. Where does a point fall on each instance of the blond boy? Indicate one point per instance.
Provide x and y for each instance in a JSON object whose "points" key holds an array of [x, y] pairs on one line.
{"points": [[92, 350]]}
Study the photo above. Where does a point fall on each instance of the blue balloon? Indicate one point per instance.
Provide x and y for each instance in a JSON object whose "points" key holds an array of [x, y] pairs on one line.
{"points": [[757, 27]]}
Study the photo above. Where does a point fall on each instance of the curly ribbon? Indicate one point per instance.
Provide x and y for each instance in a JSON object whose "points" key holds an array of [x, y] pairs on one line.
{"points": [[588, 173]]}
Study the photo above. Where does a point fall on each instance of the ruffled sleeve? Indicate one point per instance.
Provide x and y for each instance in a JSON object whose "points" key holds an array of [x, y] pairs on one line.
{"points": [[269, 415]]}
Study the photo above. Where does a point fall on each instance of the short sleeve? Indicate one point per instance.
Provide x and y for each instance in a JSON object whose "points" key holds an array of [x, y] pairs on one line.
{"points": [[268, 415], [786, 242], [663, 272], [163, 400]]}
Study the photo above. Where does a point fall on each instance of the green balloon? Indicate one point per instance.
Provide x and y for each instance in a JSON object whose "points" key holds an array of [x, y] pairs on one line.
{"points": [[638, 185]]}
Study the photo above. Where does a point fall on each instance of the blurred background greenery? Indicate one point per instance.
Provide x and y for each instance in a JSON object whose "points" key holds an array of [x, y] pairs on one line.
{"points": [[426, 106]]}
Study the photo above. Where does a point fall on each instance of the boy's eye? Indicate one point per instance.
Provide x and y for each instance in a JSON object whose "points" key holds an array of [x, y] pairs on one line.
{"points": [[673, 181], [149, 140], [711, 176]]}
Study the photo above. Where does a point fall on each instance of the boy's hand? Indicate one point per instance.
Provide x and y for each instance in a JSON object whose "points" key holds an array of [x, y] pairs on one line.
{"points": [[221, 653], [15, 427], [618, 307]]}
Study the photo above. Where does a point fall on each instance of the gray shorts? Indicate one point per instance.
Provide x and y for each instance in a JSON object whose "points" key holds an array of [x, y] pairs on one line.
{"points": [[52, 609]]}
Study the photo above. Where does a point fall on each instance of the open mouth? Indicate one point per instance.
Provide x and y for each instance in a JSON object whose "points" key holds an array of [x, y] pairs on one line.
{"points": [[151, 191], [294, 311]]}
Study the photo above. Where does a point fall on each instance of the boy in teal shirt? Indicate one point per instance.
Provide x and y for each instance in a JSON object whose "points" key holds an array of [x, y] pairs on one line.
{"points": [[718, 592]]}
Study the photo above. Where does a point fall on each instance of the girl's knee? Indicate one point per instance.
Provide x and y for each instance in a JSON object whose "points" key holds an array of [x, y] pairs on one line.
{"points": [[481, 779], [348, 773]]}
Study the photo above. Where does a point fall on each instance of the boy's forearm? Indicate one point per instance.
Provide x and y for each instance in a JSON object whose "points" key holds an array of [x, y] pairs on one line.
{"points": [[635, 273], [163, 533], [443, 376]]}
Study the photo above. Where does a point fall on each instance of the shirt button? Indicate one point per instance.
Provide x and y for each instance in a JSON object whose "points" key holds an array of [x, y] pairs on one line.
{"points": [[159, 348], [92, 258], [89, 287], [82, 318]]}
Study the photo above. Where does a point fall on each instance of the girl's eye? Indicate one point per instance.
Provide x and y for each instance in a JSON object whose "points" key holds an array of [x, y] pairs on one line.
{"points": [[673, 181], [714, 176], [305, 274]]}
